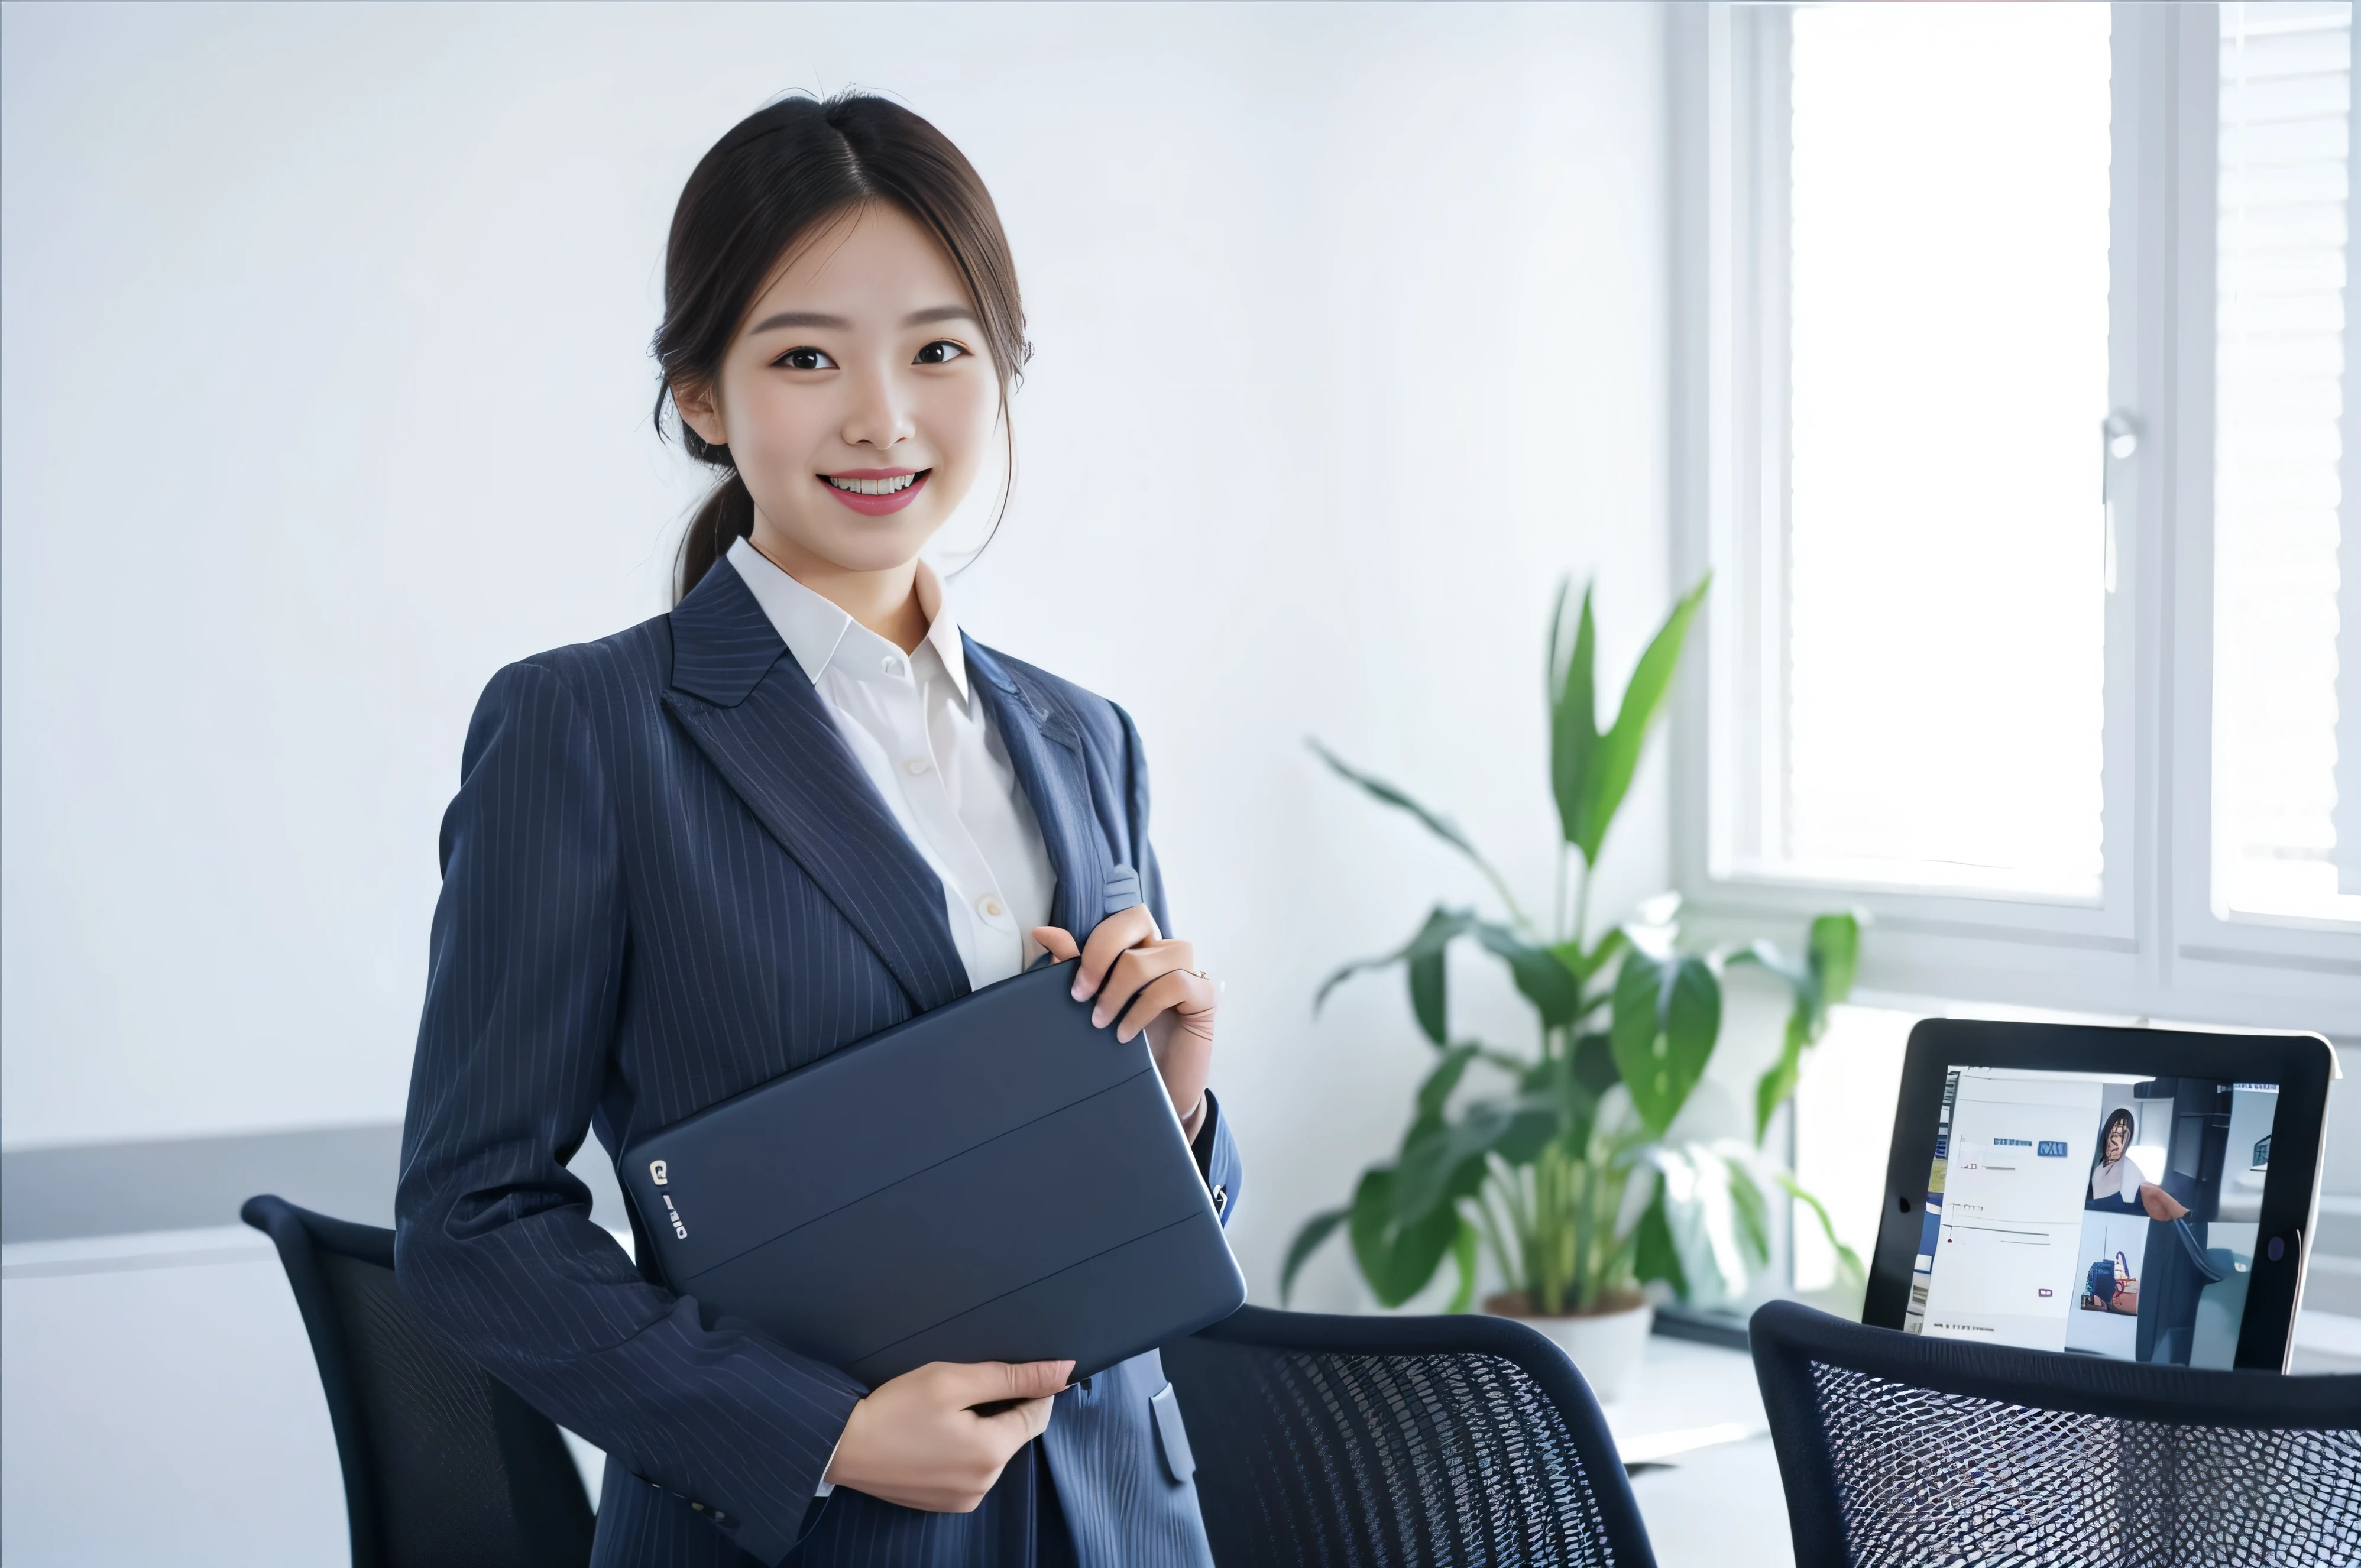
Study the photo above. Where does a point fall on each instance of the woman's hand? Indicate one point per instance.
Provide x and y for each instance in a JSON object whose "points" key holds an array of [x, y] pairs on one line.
{"points": [[2161, 1204], [920, 1439], [1150, 983]]}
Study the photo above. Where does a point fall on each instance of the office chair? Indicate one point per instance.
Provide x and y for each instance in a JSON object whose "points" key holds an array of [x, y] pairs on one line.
{"points": [[1898, 1449], [1322, 1441], [445, 1467]]}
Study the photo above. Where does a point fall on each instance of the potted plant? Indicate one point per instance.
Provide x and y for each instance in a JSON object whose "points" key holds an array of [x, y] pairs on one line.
{"points": [[1576, 1172]]}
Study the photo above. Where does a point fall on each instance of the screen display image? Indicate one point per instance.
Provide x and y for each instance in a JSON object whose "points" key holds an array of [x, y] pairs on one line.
{"points": [[2098, 1215]]}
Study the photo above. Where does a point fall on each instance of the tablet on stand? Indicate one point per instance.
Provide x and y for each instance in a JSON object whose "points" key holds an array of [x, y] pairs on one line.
{"points": [[2140, 1194]]}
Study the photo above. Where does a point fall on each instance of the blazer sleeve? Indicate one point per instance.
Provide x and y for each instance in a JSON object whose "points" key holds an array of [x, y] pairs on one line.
{"points": [[495, 1241], [1216, 1146]]}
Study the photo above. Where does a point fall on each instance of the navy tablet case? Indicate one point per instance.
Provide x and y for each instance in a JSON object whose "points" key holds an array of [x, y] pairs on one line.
{"points": [[993, 1180]]}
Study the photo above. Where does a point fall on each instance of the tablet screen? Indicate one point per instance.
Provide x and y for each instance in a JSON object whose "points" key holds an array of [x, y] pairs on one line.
{"points": [[2091, 1213]]}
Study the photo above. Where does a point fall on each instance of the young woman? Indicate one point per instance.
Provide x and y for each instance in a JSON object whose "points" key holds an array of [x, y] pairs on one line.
{"points": [[794, 812], [2115, 1177], [2117, 1183]]}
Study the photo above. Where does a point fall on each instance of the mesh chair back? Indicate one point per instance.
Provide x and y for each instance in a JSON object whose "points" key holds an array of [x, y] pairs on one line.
{"points": [[1898, 1449], [1452, 1442], [445, 1467]]}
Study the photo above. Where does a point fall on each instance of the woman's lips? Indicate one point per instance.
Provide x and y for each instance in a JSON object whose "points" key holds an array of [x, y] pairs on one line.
{"points": [[876, 479]]}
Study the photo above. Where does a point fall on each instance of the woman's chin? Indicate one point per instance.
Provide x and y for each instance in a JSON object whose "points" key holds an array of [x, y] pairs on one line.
{"points": [[855, 543]]}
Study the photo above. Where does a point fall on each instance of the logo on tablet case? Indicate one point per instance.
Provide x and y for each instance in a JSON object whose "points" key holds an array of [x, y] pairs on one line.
{"points": [[656, 1171]]}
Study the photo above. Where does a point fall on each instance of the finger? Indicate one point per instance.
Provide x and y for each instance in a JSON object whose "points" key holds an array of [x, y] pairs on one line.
{"points": [[966, 1384], [1134, 968], [1178, 990], [1122, 929], [1055, 941], [1032, 1379]]}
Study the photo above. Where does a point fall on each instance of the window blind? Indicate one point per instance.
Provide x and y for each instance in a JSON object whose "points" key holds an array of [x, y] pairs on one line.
{"points": [[2279, 460]]}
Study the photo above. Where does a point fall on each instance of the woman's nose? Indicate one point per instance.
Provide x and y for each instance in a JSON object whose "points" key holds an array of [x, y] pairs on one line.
{"points": [[877, 416]]}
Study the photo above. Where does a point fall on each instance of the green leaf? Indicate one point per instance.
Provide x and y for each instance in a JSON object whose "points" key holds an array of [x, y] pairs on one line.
{"points": [[1534, 1121], [1573, 723], [1654, 1255], [1424, 953], [1586, 965], [1831, 957], [1772, 1090], [1429, 1000], [1847, 1261], [1463, 1251], [1753, 1211], [1397, 1260], [1833, 951], [1538, 973], [1317, 1229], [1436, 1090], [1444, 1164], [1616, 755], [1442, 827], [1593, 1064], [1666, 1017]]}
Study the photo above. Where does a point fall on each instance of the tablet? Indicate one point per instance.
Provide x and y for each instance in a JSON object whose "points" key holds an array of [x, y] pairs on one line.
{"points": [[996, 1179], [2142, 1194]]}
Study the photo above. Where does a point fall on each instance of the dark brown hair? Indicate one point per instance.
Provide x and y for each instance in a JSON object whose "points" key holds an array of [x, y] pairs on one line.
{"points": [[779, 174], [2130, 1130]]}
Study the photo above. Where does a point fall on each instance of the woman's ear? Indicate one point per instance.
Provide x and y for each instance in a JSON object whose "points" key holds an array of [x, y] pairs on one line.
{"points": [[701, 411]]}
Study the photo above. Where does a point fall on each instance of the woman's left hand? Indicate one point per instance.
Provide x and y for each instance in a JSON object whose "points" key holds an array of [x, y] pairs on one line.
{"points": [[1150, 982]]}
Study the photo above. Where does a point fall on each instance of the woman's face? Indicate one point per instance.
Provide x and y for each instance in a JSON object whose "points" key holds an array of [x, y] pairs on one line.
{"points": [[858, 399], [2117, 1137]]}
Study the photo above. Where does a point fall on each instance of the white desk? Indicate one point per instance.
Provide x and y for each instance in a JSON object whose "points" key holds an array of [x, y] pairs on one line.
{"points": [[1717, 1503]]}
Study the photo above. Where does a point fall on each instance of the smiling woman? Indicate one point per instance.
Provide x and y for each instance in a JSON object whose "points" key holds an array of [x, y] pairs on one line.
{"points": [[692, 857], [841, 327]]}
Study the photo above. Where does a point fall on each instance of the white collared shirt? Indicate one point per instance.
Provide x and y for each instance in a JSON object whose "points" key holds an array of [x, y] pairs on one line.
{"points": [[933, 756]]}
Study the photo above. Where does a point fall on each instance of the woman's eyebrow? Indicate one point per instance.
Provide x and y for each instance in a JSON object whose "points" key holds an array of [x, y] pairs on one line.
{"points": [[800, 318], [938, 314]]}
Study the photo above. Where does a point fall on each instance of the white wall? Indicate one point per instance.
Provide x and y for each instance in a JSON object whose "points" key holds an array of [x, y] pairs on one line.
{"points": [[325, 393]]}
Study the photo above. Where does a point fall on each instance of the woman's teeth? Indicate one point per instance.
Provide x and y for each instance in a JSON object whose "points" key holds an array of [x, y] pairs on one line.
{"points": [[872, 486]]}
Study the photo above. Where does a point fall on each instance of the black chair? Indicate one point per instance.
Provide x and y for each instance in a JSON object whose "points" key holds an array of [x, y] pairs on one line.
{"points": [[1322, 1441], [445, 1467], [1897, 1449]]}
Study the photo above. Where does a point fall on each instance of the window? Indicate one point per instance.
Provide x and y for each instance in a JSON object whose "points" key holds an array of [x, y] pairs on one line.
{"points": [[2279, 467], [2010, 416], [1947, 378]]}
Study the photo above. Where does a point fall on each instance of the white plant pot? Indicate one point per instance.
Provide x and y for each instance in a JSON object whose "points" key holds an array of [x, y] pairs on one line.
{"points": [[1604, 1346]]}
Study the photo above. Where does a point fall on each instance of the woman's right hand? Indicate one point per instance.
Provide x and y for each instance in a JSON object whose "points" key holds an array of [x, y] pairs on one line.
{"points": [[921, 1440]]}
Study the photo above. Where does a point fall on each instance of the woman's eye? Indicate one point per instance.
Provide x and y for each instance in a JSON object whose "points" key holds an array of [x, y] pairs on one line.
{"points": [[806, 359], [942, 351]]}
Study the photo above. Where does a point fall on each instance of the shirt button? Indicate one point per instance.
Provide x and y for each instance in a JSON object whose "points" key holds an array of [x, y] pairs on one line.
{"points": [[915, 766], [893, 665], [991, 907]]}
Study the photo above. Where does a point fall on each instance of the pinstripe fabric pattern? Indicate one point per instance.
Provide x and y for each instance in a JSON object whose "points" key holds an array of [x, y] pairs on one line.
{"points": [[665, 881]]}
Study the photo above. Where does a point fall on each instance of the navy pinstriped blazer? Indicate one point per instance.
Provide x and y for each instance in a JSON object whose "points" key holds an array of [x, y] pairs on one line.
{"points": [[666, 879]]}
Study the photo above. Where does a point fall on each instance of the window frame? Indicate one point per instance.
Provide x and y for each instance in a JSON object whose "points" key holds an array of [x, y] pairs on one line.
{"points": [[2150, 944]]}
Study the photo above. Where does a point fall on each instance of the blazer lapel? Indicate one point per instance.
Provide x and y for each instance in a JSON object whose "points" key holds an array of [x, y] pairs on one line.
{"points": [[1048, 755], [754, 713]]}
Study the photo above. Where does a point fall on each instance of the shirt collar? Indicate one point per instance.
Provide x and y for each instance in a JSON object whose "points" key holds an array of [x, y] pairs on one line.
{"points": [[813, 627]]}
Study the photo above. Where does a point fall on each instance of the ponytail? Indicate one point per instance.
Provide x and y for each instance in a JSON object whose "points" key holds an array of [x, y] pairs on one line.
{"points": [[724, 517]]}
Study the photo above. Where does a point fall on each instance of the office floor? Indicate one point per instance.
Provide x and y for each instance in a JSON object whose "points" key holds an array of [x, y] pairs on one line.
{"points": [[161, 1407]]}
